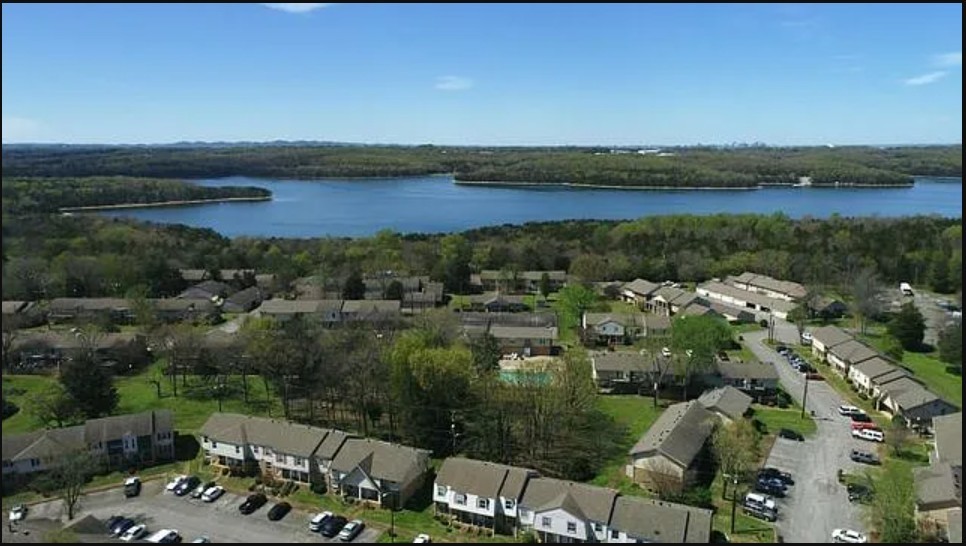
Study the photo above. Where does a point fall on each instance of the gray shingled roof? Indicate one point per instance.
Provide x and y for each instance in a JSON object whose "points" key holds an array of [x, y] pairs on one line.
{"points": [[382, 460], [88, 304], [789, 288], [730, 310], [830, 336], [284, 307], [243, 298], [657, 323], [516, 480], [949, 437], [182, 304], [117, 426], [13, 307], [620, 361], [853, 351], [875, 367], [481, 478], [728, 400], [332, 444], [624, 319], [679, 433], [661, 521], [776, 304], [746, 370], [281, 436], [520, 332], [64, 341], [908, 393], [364, 307], [641, 287], [595, 503], [938, 483], [897, 373]]}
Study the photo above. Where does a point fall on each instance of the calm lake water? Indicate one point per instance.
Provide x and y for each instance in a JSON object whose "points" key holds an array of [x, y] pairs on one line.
{"points": [[436, 204]]}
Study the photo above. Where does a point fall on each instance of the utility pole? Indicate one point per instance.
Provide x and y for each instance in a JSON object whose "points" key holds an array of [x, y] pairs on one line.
{"points": [[734, 502], [804, 393]]}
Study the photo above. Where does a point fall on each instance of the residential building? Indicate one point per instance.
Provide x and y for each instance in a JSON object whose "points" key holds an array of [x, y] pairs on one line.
{"points": [[517, 281], [563, 511], [615, 369], [498, 303], [522, 340], [773, 288], [637, 520], [864, 374], [638, 291], [243, 301], [909, 399], [38, 350], [327, 311], [215, 291], [118, 440], [184, 309], [847, 354], [371, 310], [753, 377], [275, 448], [826, 337], [829, 308], [657, 325], [721, 309], [479, 319], [481, 493], [669, 300], [939, 497], [613, 328], [728, 403], [761, 304], [113, 310], [948, 430], [378, 472], [21, 314], [667, 456]]}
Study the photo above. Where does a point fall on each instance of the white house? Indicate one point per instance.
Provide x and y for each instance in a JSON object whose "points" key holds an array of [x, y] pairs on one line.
{"points": [[378, 472], [762, 305], [639, 520], [768, 286], [864, 374], [638, 291], [826, 337], [614, 327], [481, 493], [847, 354], [562, 511]]}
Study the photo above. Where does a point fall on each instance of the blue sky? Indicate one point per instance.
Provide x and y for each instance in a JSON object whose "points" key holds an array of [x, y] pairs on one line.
{"points": [[483, 74]]}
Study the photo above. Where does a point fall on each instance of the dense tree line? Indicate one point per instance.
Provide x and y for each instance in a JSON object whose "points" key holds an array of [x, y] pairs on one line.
{"points": [[53, 255], [686, 167], [39, 195]]}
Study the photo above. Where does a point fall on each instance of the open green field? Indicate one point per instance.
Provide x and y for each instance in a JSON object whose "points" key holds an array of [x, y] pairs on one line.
{"points": [[927, 368], [636, 414]]}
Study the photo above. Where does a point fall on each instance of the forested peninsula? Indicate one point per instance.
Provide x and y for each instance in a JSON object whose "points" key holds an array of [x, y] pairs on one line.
{"points": [[22, 195], [681, 167]]}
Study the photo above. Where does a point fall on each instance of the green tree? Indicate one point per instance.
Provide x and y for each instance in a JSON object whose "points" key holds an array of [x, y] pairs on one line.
{"points": [[951, 343], [355, 287], [735, 449], [486, 353], [695, 341], [893, 506], [799, 315], [394, 291], [908, 326], [88, 383], [892, 348], [52, 406], [453, 267], [68, 478], [545, 285], [573, 300]]}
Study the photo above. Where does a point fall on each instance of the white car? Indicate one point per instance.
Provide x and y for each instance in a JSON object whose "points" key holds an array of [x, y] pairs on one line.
{"points": [[175, 482], [422, 538], [18, 512], [806, 338], [665, 352], [847, 410], [870, 434], [213, 493], [134, 533], [315, 524], [848, 535]]}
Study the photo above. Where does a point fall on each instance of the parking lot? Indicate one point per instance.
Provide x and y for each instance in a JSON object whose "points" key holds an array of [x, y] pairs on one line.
{"points": [[220, 520]]}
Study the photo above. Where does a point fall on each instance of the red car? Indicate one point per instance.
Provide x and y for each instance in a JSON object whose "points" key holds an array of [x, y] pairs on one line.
{"points": [[859, 425]]}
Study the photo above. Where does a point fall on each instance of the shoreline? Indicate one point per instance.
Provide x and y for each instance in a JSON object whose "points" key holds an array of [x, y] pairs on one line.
{"points": [[666, 188], [163, 204]]}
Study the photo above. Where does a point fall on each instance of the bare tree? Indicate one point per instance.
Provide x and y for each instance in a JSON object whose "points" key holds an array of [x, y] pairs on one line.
{"points": [[866, 294], [897, 437], [69, 477], [11, 330]]}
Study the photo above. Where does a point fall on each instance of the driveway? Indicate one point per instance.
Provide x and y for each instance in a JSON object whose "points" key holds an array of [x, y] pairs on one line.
{"points": [[936, 317], [220, 520], [817, 503]]}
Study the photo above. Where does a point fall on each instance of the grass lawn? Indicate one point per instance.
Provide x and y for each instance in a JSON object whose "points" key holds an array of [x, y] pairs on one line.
{"points": [[775, 419], [747, 528], [932, 372], [636, 414], [18, 389], [745, 327], [623, 307]]}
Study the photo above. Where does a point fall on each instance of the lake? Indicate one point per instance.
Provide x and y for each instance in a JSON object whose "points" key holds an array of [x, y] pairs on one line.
{"points": [[435, 204]]}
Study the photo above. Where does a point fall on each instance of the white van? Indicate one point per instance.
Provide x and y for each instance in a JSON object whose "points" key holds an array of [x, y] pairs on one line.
{"points": [[905, 289], [164, 536], [758, 500]]}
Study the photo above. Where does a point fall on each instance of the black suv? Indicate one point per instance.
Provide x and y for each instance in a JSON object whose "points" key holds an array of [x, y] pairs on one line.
{"points": [[858, 493], [252, 503], [790, 435], [772, 472], [332, 526], [187, 486]]}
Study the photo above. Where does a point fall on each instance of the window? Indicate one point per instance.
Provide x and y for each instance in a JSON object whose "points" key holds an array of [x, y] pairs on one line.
{"points": [[545, 521], [460, 498], [614, 533], [279, 458], [255, 449], [571, 526], [483, 503], [441, 490], [35, 462], [598, 527], [214, 445], [509, 504], [237, 449]]}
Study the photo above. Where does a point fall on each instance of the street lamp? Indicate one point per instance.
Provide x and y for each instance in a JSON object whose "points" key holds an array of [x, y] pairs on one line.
{"points": [[734, 498], [392, 513]]}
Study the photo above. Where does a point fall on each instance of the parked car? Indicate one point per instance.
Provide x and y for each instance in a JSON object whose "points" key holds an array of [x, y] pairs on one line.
{"points": [[872, 435], [760, 513], [165, 536], [772, 482], [858, 493], [772, 472], [848, 535], [847, 410], [860, 418], [199, 491], [18, 512], [135, 533], [132, 487], [790, 434], [806, 338], [252, 503], [332, 526], [781, 349], [279, 510], [775, 490], [122, 526], [422, 538], [201, 540], [187, 486], [351, 530], [858, 425], [315, 524], [175, 482], [213, 493], [863, 457], [111, 522]]}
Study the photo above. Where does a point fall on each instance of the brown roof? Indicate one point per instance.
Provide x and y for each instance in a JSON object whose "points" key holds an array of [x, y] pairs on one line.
{"points": [[624, 319], [679, 433], [588, 501], [654, 520], [281, 436], [135, 424], [382, 460], [375, 307], [789, 288], [482, 478]]}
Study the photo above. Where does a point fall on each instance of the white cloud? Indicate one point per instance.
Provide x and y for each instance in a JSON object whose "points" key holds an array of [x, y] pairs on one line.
{"points": [[926, 78], [453, 83], [296, 7], [953, 58], [17, 129]]}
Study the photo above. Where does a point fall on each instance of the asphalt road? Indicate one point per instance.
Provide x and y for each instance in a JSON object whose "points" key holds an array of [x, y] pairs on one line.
{"points": [[936, 317], [817, 503], [220, 521]]}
